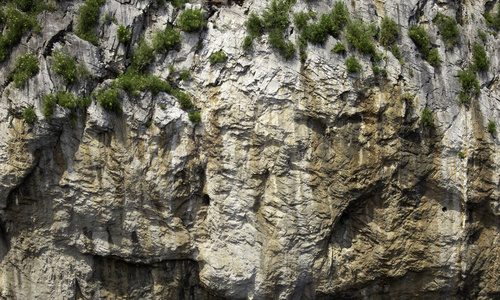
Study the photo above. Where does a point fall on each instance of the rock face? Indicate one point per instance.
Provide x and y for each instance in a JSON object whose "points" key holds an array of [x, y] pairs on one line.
{"points": [[301, 181]]}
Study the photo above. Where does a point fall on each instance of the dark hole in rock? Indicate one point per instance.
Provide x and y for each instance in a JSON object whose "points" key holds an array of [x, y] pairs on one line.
{"points": [[206, 200]]}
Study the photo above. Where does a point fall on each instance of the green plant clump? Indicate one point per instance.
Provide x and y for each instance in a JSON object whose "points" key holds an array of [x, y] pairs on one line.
{"points": [[421, 39], [26, 67], [470, 85], [339, 48], [255, 25], [108, 99], [359, 35], [427, 119], [247, 43], [124, 34], [142, 56], [301, 19], [461, 154], [29, 115], [449, 30], [49, 104], [132, 81], [339, 17], [191, 20], [88, 18], [183, 98], [194, 116], [185, 74], [482, 35], [492, 127], [217, 57], [318, 32], [493, 20], [353, 65], [166, 40], [65, 65], [31, 6], [17, 24], [479, 57], [389, 32], [65, 99]]}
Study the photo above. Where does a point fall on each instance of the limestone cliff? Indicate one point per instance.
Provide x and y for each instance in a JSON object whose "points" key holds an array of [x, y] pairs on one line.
{"points": [[302, 180]]}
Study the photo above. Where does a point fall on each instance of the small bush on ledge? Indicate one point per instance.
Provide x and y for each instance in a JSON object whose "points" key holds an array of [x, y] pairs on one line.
{"points": [[124, 34], [427, 120], [166, 40], [352, 65], [29, 115], [26, 67], [194, 116], [108, 99], [65, 65], [191, 20], [339, 48], [218, 57], [492, 127]]}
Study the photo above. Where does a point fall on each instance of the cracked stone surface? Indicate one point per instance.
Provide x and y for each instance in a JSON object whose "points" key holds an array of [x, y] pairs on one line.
{"points": [[300, 182]]}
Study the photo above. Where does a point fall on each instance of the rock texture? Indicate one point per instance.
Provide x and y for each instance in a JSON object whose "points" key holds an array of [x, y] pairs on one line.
{"points": [[300, 182]]}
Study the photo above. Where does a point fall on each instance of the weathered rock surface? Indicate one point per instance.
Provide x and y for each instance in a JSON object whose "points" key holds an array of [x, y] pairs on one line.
{"points": [[300, 182]]}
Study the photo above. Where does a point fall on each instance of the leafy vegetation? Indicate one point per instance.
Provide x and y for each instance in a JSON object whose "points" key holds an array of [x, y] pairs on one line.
{"points": [[427, 119], [359, 35], [318, 32], [421, 39], [247, 43], [353, 65], [88, 18], [178, 3], [31, 6], [217, 57], [482, 35], [108, 99], [132, 81], [255, 25], [49, 103], [142, 56], [395, 51], [183, 98], [65, 99], [480, 58], [493, 20], [191, 20], [194, 116], [470, 85], [492, 127], [339, 17], [29, 115], [449, 30], [301, 19], [26, 67], [339, 48], [166, 40], [461, 154], [17, 24], [124, 34], [65, 65], [389, 32], [184, 74]]}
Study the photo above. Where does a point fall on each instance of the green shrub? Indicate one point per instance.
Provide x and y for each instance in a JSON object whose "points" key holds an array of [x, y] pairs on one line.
{"points": [[480, 58], [29, 115], [217, 57], [155, 85], [194, 116], [461, 154], [247, 43], [384, 73], [49, 103], [353, 65], [17, 24], [421, 39], [359, 35], [178, 3], [142, 56], [389, 32], [276, 39], [31, 6], [449, 30], [434, 58], [301, 19], [427, 119], [65, 65], [318, 32], [183, 98], [66, 99], [108, 99], [395, 51], [124, 34], [470, 85], [376, 70], [339, 17], [482, 35], [493, 20], [82, 72], [88, 18], [276, 16], [492, 127], [191, 20], [185, 74], [339, 48], [166, 40], [255, 25], [26, 67], [132, 81]]}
